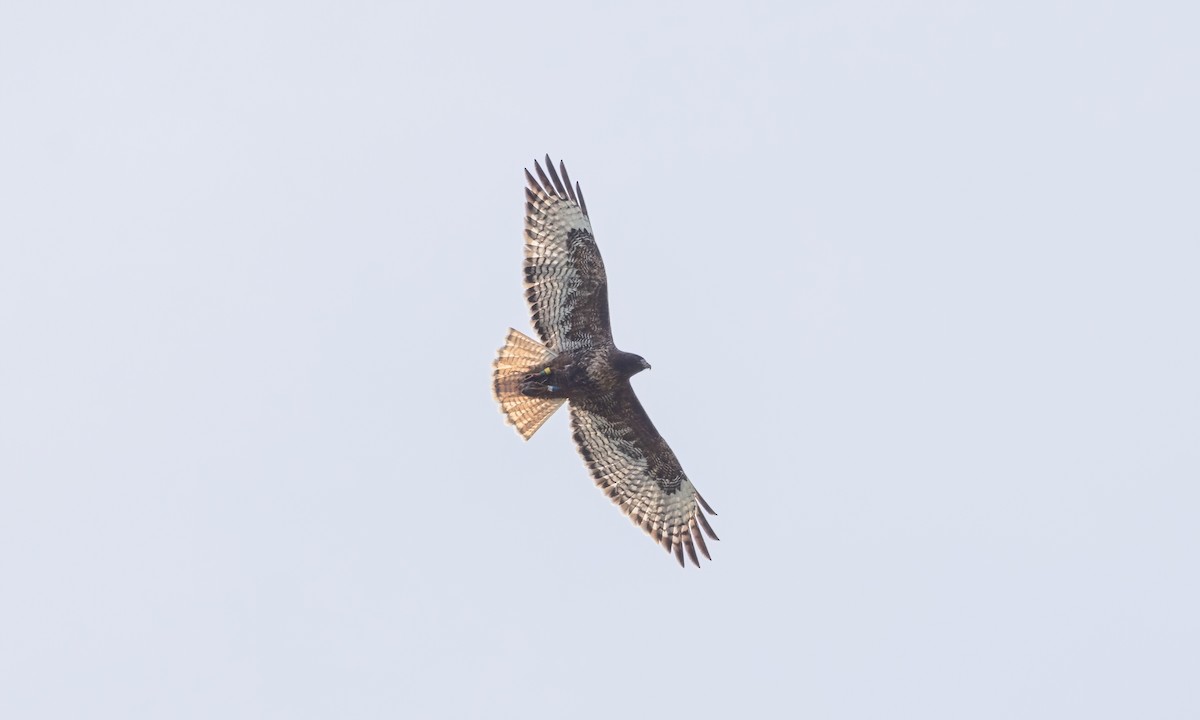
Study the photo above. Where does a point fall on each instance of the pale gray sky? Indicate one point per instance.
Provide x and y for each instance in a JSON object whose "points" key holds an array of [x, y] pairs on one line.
{"points": [[919, 283]]}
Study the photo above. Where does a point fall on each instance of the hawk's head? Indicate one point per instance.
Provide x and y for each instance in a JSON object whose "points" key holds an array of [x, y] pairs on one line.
{"points": [[629, 364]]}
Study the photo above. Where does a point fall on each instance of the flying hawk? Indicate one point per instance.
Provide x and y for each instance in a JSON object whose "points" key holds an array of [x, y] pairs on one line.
{"points": [[577, 362]]}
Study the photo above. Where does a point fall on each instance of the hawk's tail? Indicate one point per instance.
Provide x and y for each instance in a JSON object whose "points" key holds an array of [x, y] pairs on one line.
{"points": [[519, 357]]}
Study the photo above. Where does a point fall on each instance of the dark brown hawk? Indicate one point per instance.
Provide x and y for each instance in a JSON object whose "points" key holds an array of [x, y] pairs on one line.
{"points": [[577, 362]]}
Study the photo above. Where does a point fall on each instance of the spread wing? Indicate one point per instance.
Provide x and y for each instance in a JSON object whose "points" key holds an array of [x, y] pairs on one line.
{"points": [[633, 465], [565, 282]]}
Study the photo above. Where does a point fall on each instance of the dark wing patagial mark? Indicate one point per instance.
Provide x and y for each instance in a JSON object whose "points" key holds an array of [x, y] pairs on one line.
{"points": [[565, 283], [636, 469]]}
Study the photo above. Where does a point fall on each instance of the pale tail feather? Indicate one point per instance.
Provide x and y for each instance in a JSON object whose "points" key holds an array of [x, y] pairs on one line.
{"points": [[520, 356]]}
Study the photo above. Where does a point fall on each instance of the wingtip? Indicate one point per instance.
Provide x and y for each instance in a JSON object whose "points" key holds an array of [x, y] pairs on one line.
{"points": [[557, 182], [582, 202], [546, 186], [698, 539], [554, 178], [705, 526], [532, 184]]}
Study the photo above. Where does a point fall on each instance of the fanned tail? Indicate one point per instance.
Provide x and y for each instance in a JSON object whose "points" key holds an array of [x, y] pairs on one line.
{"points": [[520, 356]]}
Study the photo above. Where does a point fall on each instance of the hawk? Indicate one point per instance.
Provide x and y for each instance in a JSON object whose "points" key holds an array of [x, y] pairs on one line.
{"points": [[576, 362]]}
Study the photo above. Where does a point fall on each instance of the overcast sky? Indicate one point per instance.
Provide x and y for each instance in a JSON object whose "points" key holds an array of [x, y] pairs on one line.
{"points": [[919, 285]]}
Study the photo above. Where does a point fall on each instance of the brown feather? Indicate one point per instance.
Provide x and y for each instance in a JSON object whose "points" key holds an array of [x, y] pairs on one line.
{"points": [[582, 202], [533, 184], [546, 185], [699, 538], [691, 551], [562, 166], [558, 185]]}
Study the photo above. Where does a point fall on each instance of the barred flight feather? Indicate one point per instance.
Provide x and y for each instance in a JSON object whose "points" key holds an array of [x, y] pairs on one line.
{"points": [[565, 282]]}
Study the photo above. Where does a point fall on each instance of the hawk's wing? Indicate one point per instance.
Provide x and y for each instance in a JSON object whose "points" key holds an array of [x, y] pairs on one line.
{"points": [[564, 275], [633, 465]]}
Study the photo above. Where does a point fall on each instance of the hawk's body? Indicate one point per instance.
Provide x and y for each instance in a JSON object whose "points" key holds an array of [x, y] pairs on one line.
{"points": [[577, 362]]}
